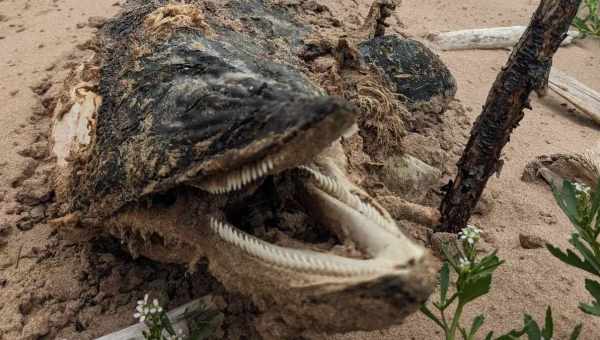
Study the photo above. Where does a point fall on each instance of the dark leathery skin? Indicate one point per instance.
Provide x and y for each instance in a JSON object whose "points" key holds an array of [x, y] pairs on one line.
{"points": [[191, 100]]}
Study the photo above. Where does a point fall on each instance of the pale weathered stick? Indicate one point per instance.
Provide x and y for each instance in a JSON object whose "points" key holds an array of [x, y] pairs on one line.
{"points": [[177, 317], [485, 38], [582, 97]]}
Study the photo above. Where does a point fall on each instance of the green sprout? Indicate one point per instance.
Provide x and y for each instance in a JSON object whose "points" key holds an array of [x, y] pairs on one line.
{"points": [[473, 280], [588, 22], [582, 207], [534, 332]]}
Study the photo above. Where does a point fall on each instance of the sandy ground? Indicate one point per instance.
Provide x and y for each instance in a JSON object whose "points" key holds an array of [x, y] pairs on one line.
{"points": [[38, 37]]}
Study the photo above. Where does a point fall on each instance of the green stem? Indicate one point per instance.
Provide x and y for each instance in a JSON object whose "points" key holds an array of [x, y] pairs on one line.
{"points": [[444, 322], [455, 322], [595, 248]]}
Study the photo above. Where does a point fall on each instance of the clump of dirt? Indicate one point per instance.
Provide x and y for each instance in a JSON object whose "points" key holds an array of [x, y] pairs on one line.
{"points": [[107, 282], [81, 287], [76, 284]]}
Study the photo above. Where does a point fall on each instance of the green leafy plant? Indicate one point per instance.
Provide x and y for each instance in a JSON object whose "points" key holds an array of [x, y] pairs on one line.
{"points": [[201, 322], [533, 331], [588, 22], [582, 206], [473, 280]]}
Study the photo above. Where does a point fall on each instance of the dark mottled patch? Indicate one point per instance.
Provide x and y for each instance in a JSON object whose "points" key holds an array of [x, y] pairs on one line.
{"points": [[178, 103], [412, 69]]}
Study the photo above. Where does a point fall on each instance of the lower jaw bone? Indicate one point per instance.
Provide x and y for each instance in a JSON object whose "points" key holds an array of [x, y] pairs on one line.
{"points": [[299, 260]]}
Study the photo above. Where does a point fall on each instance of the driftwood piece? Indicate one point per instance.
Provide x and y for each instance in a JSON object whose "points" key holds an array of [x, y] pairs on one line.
{"points": [[527, 70], [583, 168], [177, 317], [579, 95], [485, 38]]}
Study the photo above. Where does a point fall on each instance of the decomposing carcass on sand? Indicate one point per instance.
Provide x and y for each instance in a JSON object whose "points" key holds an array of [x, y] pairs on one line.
{"points": [[247, 134]]}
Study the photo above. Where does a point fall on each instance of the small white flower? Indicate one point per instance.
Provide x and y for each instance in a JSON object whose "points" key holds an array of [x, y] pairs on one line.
{"points": [[146, 309], [175, 337], [471, 234], [581, 187], [582, 191], [464, 263], [144, 301]]}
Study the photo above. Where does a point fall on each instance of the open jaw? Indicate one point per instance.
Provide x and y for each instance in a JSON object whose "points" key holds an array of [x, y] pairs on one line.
{"points": [[347, 261], [382, 248], [314, 161]]}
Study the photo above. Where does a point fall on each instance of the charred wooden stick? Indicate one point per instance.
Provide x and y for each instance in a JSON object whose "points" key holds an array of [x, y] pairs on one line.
{"points": [[527, 70], [586, 100], [380, 10], [485, 38]]}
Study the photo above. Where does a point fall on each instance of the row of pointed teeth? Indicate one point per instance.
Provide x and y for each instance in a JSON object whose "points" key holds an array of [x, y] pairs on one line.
{"points": [[239, 178], [330, 186], [299, 260]]}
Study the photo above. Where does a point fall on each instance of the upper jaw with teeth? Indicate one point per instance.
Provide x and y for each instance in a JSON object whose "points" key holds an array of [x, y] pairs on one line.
{"points": [[237, 179]]}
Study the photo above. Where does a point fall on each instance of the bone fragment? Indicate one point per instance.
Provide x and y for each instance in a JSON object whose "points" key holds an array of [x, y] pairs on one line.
{"points": [[485, 38]]}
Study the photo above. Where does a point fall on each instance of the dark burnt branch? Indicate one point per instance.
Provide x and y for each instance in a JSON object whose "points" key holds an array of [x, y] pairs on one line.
{"points": [[380, 10], [526, 71]]}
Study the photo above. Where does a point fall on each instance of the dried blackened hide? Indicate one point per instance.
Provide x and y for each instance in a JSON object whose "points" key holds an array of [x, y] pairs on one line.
{"points": [[415, 72]]}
